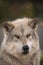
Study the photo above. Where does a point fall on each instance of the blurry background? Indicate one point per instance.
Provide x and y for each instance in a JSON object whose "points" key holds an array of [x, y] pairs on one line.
{"points": [[13, 9]]}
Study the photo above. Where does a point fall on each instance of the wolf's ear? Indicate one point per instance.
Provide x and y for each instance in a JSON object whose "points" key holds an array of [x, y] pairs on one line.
{"points": [[34, 23], [7, 26]]}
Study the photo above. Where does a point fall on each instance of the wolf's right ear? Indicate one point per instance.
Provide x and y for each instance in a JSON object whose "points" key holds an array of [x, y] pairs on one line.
{"points": [[8, 26], [34, 24]]}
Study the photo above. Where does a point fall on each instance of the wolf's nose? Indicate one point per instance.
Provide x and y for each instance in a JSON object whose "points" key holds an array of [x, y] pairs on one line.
{"points": [[25, 49]]}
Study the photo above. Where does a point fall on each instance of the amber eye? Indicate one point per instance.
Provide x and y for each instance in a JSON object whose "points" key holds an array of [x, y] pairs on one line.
{"points": [[17, 36], [28, 35]]}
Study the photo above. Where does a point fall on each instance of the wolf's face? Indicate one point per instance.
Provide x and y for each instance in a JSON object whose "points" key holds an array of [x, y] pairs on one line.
{"points": [[20, 36]]}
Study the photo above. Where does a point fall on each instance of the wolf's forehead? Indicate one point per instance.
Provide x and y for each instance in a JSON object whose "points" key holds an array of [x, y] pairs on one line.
{"points": [[22, 29], [21, 25]]}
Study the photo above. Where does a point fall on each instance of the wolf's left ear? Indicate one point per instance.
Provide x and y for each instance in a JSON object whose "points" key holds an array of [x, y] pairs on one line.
{"points": [[34, 23], [7, 26]]}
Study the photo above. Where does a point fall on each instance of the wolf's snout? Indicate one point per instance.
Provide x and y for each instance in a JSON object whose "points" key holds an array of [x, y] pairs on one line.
{"points": [[25, 49]]}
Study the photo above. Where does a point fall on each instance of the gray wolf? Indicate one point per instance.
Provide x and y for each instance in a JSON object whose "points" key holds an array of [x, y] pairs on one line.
{"points": [[20, 45]]}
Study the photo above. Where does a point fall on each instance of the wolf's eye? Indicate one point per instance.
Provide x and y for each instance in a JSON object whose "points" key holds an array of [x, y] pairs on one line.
{"points": [[17, 36], [28, 35]]}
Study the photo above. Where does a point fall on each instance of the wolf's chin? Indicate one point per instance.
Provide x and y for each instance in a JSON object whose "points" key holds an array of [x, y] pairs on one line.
{"points": [[25, 53]]}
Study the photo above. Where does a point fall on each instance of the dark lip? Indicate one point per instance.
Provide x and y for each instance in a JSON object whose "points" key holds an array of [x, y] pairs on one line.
{"points": [[25, 52]]}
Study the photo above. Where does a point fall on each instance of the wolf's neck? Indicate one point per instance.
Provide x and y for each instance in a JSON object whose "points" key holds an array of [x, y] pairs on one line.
{"points": [[11, 60]]}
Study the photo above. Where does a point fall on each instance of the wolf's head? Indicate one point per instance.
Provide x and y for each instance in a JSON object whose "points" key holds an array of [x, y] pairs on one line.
{"points": [[20, 36]]}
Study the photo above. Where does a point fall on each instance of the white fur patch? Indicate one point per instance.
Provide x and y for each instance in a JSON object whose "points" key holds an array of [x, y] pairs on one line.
{"points": [[19, 47], [19, 21], [4, 40], [29, 43]]}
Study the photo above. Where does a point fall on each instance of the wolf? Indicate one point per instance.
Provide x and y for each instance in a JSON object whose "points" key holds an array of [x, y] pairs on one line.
{"points": [[20, 45]]}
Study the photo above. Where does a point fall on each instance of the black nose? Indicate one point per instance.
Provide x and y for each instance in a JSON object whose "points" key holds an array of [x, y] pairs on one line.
{"points": [[25, 49]]}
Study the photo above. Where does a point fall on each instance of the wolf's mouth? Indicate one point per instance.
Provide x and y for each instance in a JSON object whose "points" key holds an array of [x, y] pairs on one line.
{"points": [[25, 52]]}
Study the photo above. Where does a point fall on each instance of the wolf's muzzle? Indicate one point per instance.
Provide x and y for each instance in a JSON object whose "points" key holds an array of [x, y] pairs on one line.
{"points": [[25, 49]]}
